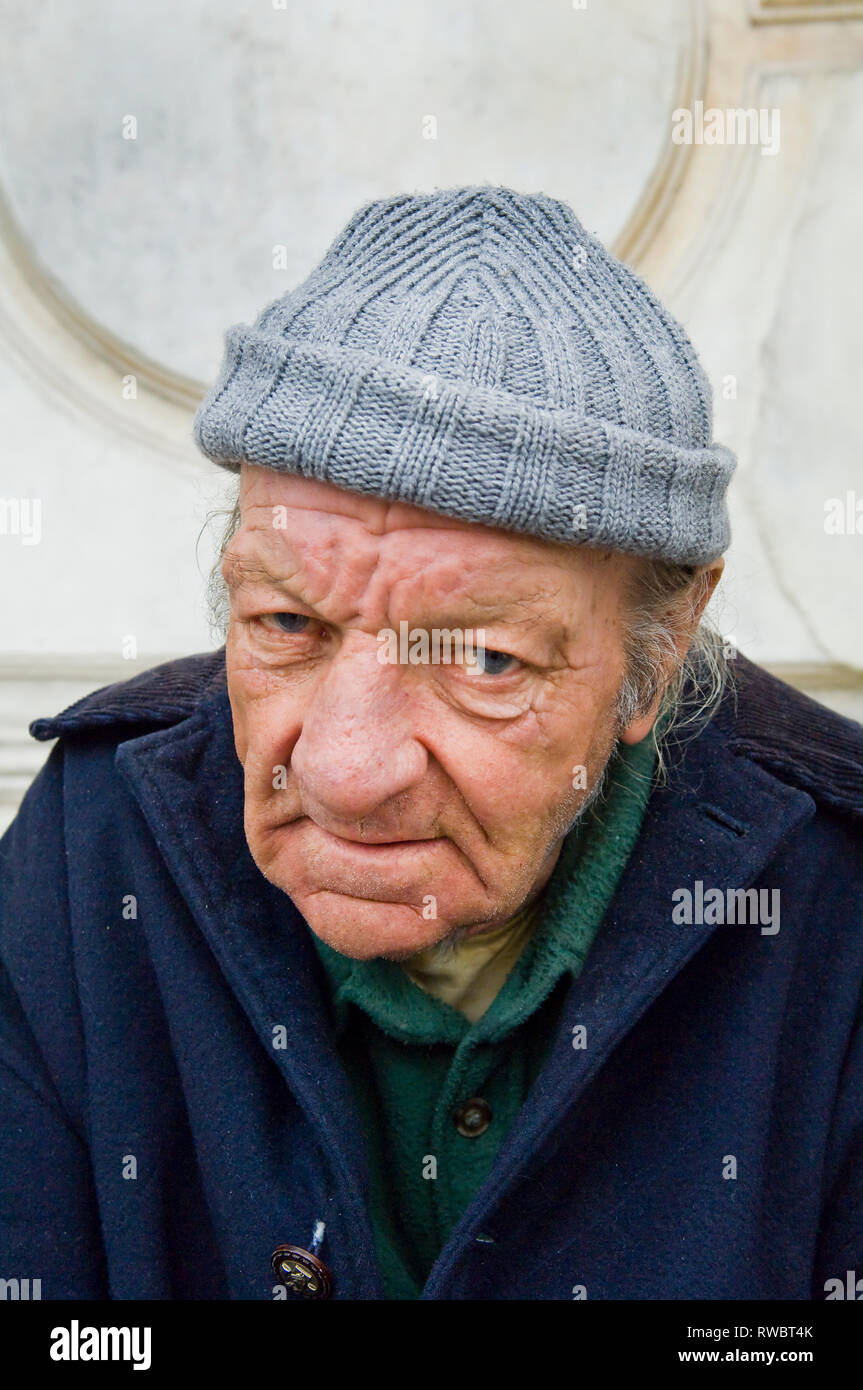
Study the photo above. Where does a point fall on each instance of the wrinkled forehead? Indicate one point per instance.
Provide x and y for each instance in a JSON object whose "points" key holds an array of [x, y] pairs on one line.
{"points": [[264, 490], [293, 526]]}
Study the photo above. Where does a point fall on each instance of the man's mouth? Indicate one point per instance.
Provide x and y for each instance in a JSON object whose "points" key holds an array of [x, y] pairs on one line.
{"points": [[374, 845]]}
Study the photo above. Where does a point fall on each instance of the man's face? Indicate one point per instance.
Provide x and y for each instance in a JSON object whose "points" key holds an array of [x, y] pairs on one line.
{"points": [[397, 803]]}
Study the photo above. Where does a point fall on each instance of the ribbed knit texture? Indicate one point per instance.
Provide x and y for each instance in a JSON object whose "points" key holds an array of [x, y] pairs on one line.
{"points": [[476, 352]]}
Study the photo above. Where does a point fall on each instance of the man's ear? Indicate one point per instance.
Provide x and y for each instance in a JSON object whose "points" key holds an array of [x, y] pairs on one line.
{"points": [[704, 581], [711, 576]]}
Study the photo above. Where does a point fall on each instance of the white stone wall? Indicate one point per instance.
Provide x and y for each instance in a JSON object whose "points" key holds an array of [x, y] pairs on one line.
{"points": [[166, 170]]}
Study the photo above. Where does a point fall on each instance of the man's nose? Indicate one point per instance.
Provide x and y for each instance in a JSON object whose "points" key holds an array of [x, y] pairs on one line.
{"points": [[357, 748]]}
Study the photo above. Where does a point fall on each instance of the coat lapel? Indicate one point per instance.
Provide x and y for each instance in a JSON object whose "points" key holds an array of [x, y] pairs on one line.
{"points": [[188, 783]]}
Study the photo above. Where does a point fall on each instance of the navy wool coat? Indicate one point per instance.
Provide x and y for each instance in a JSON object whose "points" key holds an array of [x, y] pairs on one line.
{"points": [[707, 1142]]}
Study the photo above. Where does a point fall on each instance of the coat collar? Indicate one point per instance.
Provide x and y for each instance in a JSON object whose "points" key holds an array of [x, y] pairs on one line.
{"points": [[188, 782]]}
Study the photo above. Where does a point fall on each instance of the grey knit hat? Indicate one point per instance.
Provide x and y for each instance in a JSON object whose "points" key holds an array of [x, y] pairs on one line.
{"points": [[476, 352]]}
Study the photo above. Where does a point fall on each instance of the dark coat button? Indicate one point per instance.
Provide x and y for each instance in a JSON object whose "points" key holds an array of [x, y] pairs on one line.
{"points": [[473, 1117], [301, 1272]]}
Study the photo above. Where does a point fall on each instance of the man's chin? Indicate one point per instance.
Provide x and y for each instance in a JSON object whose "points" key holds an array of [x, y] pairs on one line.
{"points": [[364, 929]]}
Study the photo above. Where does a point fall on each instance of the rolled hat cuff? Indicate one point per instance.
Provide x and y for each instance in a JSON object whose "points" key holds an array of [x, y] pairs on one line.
{"points": [[378, 427]]}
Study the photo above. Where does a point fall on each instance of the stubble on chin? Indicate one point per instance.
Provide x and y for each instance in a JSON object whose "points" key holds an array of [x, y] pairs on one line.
{"points": [[563, 822]]}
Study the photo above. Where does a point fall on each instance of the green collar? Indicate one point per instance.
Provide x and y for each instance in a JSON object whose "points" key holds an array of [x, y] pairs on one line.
{"points": [[574, 902]]}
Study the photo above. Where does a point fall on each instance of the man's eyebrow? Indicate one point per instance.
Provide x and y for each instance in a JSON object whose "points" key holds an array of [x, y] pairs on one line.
{"points": [[532, 606], [514, 609], [239, 572], [512, 612]]}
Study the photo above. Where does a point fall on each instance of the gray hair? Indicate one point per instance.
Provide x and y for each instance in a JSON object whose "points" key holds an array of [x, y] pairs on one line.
{"points": [[662, 600]]}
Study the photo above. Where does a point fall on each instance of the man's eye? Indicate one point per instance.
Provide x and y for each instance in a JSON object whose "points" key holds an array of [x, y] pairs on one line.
{"points": [[493, 663], [290, 622]]}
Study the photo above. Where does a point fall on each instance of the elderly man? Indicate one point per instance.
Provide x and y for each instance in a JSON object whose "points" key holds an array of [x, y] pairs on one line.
{"points": [[431, 939]]}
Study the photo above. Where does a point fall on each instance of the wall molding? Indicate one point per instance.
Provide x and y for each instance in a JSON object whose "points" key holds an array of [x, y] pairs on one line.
{"points": [[102, 668], [108, 349], [125, 359], [652, 208], [804, 11]]}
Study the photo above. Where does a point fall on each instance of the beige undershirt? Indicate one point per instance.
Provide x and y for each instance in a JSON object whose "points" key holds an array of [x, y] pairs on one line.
{"points": [[470, 974]]}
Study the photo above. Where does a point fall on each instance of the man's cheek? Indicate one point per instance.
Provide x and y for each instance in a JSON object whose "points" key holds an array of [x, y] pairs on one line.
{"points": [[241, 742], [266, 778], [255, 742]]}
